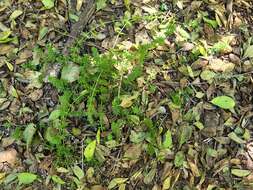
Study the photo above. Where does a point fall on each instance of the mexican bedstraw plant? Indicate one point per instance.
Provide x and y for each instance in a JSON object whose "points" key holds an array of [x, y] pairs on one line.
{"points": [[98, 88]]}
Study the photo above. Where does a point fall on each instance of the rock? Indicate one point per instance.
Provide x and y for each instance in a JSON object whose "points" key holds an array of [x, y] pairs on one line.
{"points": [[234, 58], [8, 156]]}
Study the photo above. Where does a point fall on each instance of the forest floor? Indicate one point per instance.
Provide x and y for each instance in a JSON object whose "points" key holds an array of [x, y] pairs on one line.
{"points": [[113, 94]]}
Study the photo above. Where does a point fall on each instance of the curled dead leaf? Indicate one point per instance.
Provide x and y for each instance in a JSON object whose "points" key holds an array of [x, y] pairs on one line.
{"points": [[188, 46]]}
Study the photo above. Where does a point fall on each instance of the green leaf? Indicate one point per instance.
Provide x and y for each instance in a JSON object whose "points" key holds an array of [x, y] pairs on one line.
{"points": [[137, 137], [78, 172], [4, 35], [26, 178], [179, 159], [11, 177], [199, 125], [58, 180], [29, 133], [213, 23], [70, 72], [98, 136], [185, 135], [183, 33], [73, 17], [127, 3], [211, 152], [220, 47], [116, 181], [90, 150], [100, 4], [149, 177], [16, 14], [51, 135], [233, 136], [240, 173], [207, 75], [42, 33], [249, 52], [190, 71], [224, 102], [54, 115], [168, 140], [48, 4]]}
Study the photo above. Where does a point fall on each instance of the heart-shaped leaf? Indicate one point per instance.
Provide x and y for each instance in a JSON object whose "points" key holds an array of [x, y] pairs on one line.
{"points": [[26, 178], [90, 150]]}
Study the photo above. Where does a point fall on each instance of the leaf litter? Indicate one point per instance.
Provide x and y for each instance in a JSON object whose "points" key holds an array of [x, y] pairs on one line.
{"points": [[178, 113]]}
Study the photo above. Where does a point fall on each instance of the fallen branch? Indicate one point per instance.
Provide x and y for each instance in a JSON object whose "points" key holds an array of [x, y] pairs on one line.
{"points": [[79, 26]]}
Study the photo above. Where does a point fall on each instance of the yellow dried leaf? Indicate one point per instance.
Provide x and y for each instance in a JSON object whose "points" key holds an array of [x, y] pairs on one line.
{"points": [[194, 169], [219, 65], [79, 4], [126, 103]]}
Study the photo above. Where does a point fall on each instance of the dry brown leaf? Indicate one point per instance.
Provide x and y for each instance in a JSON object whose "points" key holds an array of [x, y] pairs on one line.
{"points": [[194, 169], [36, 95], [97, 187], [133, 152], [46, 163], [5, 49], [156, 187], [79, 4], [23, 56], [142, 37]]}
